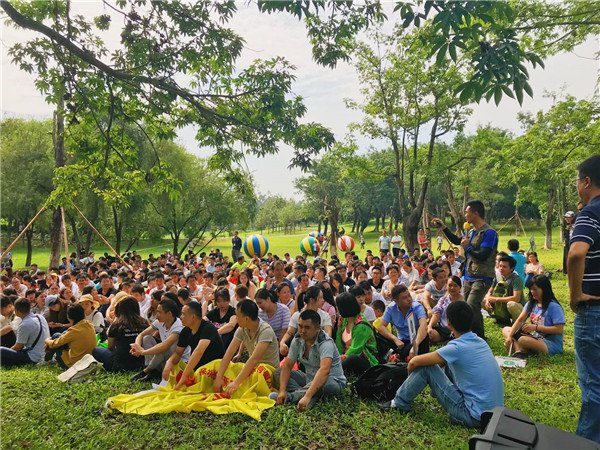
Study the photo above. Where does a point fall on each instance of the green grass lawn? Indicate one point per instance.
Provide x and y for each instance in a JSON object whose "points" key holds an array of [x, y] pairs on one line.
{"points": [[280, 243], [38, 411]]}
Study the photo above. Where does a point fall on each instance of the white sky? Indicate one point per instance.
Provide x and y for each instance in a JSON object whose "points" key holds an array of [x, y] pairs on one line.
{"points": [[323, 89]]}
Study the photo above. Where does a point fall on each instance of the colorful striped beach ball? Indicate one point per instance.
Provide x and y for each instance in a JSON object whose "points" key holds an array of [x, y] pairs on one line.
{"points": [[316, 235], [309, 246], [256, 245], [346, 243]]}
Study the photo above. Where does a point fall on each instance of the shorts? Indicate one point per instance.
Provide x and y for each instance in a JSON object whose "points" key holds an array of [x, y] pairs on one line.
{"points": [[553, 347]]}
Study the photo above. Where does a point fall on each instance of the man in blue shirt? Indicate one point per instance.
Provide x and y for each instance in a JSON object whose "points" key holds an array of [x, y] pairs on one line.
{"points": [[513, 246], [584, 285], [480, 246], [29, 346], [472, 382], [403, 310]]}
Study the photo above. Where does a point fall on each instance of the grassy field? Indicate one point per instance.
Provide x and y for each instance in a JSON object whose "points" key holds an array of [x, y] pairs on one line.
{"points": [[37, 411], [280, 244]]}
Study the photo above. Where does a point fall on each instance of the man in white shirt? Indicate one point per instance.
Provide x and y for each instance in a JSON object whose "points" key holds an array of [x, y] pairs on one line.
{"points": [[169, 327]]}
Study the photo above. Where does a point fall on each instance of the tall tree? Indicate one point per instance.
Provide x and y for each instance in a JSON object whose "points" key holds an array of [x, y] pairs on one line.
{"points": [[407, 95], [26, 167], [554, 143]]}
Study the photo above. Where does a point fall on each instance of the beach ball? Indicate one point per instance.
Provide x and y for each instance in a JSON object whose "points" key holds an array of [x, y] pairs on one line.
{"points": [[316, 235], [309, 246], [256, 245], [346, 243]]}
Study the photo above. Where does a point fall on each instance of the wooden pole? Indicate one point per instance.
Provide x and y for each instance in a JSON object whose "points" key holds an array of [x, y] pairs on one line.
{"points": [[9, 248], [102, 238], [64, 228]]}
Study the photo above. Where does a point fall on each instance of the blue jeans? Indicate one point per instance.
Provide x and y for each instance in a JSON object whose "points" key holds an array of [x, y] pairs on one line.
{"points": [[58, 351], [587, 352], [105, 356], [10, 357], [299, 384], [442, 388]]}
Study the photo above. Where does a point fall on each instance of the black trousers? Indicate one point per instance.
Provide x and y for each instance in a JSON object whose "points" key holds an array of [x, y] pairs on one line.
{"points": [[355, 365]]}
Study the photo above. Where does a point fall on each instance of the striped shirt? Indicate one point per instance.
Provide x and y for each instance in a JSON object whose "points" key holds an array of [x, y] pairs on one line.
{"points": [[587, 229], [280, 320]]}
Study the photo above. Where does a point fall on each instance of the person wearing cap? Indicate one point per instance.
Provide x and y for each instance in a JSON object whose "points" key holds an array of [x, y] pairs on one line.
{"points": [[72, 345], [57, 314], [90, 308]]}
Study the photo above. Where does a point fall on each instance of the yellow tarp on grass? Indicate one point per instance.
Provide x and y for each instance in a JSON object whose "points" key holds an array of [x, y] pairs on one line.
{"points": [[251, 398]]}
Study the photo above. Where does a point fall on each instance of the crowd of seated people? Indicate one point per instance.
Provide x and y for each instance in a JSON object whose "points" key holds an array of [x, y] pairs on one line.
{"points": [[318, 323]]}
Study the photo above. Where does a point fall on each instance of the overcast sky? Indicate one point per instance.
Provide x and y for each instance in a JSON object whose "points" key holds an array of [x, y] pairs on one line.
{"points": [[323, 90]]}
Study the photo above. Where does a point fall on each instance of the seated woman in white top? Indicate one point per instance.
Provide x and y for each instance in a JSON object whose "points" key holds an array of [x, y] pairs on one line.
{"points": [[393, 272]]}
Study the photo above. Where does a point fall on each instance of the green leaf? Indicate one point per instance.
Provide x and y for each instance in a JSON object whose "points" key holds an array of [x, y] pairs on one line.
{"points": [[498, 94], [452, 50]]}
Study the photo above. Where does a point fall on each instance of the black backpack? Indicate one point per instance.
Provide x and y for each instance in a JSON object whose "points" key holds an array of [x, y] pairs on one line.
{"points": [[381, 382]]}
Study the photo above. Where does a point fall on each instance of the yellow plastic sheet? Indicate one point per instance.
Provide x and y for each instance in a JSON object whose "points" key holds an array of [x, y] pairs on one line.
{"points": [[251, 398]]}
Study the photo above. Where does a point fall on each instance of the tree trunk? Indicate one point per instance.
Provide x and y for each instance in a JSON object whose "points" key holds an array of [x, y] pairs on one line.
{"points": [[78, 245], [59, 161], [29, 237], [410, 229], [549, 218], [118, 230], [333, 220], [93, 218], [457, 217], [383, 220], [325, 226], [376, 230]]}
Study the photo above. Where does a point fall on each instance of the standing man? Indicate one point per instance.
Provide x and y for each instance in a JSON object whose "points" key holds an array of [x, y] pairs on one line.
{"points": [[237, 246], [384, 243], [396, 243], [584, 286], [480, 245]]}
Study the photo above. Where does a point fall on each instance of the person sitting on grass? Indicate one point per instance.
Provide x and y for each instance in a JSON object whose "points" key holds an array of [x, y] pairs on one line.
{"points": [[355, 338], [29, 346], [254, 335], [72, 345], [505, 298], [434, 290], [313, 299], [122, 333], [544, 333], [56, 316], [273, 312], [155, 353], [398, 314], [437, 329], [222, 316], [9, 322], [379, 308], [200, 337], [472, 381], [317, 353], [90, 308]]}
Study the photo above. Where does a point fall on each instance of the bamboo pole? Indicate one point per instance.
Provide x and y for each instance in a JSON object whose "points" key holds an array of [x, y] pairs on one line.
{"points": [[102, 238], [9, 248], [64, 228]]}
